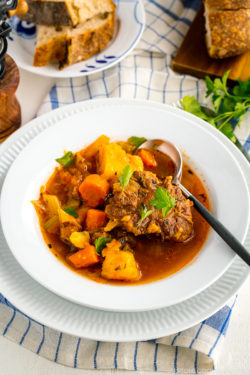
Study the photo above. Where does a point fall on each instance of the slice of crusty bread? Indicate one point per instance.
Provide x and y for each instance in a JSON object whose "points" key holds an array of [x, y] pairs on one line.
{"points": [[227, 30], [65, 12], [227, 4], [67, 45]]}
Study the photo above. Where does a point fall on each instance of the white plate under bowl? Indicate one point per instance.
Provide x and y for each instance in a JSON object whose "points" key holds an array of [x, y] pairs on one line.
{"points": [[129, 27], [53, 311], [120, 119]]}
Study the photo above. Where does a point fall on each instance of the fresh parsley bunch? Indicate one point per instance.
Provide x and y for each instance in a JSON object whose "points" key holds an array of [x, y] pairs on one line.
{"points": [[229, 106]]}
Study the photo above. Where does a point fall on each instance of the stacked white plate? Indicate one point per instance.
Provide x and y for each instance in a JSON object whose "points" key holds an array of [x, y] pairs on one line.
{"points": [[43, 288]]}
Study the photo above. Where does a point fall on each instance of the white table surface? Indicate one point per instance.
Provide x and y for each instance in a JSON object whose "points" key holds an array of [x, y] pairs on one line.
{"points": [[235, 356]]}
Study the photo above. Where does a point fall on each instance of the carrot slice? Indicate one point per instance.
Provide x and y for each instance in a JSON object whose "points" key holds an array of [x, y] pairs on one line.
{"points": [[85, 257], [95, 219], [94, 189], [147, 158]]}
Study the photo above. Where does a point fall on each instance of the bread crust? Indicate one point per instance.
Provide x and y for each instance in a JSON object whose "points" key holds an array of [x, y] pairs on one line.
{"points": [[65, 12], [83, 46], [71, 45], [227, 4], [229, 32], [49, 13]]}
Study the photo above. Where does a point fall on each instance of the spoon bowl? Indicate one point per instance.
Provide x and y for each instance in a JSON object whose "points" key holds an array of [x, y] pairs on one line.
{"points": [[169, 149]]}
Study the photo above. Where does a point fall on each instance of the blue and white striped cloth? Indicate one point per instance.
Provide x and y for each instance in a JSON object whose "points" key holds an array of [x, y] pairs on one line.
{"points": [[144, 74]]}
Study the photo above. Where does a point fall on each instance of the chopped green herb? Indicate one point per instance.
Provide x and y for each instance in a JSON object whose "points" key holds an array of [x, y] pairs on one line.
{"points": [[229, 105], [71, 211], [190, 104], [100, 244], [136, 141], [144, 212], [125, 176], [67, 159], [163, 200]]}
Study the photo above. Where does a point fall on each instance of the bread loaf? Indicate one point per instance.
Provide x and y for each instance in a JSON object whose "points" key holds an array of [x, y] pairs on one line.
{"points": [[67, 45], [227, 27], [65, 12], [227, 4]]}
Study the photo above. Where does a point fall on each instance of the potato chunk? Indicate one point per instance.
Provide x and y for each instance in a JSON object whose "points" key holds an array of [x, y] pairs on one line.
{"points": [[113, 159], [68, 224], [80, 239], [119, 264], [90, 151]]}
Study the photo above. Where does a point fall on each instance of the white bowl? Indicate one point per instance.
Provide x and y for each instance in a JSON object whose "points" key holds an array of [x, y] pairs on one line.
{"points": [[120, 119]]}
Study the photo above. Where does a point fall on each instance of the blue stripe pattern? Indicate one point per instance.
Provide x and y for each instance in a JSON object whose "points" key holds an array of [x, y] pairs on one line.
{"points": [[95, 355], [42, 341], [116, 352], [25, 333], [58, 347], [223, 328], [54, 97], [76, 353], [197, 334], [135, 356], [155, 357], [9, 323], [175, 338], [176, 360], [196, 362], [247, 144], [171, 14]]}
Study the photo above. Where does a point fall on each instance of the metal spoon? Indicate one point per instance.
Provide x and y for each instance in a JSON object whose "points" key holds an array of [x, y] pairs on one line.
{"points": [[174, 153]]}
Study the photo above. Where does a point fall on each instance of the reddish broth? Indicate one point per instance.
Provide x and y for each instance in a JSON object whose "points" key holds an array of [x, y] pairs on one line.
{"points": [[156, 259]]}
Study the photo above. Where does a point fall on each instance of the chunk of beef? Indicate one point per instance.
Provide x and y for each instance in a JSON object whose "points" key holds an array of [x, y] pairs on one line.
{"points": [[123, 208]]}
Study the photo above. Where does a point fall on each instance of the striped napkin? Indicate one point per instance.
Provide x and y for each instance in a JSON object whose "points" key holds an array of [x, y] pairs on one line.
{"points": [[144, 74]]}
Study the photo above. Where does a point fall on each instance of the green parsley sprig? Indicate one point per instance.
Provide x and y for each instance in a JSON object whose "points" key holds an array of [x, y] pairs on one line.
{"points": [[125, 176], [100, 244], [136, 141], [71, 211], [163, 200], [229, 105], [144, 212], [67, 159]]}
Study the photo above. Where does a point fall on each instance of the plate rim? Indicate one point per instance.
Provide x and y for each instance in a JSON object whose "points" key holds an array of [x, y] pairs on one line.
{"points": [[78, 73], [54, 115]]}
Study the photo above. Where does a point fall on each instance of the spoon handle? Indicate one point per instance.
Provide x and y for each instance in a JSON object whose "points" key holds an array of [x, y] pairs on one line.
{"points": [[219, 227]]}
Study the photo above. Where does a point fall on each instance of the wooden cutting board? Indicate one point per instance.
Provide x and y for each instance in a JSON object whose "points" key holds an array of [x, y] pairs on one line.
{"points": [[192, 57]]}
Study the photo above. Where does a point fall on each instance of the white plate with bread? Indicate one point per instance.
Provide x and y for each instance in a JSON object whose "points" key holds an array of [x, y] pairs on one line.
{"points": [[73, 38]]}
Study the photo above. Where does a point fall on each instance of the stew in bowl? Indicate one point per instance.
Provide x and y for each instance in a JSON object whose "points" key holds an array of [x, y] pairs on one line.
{"points": [[111, 213]]}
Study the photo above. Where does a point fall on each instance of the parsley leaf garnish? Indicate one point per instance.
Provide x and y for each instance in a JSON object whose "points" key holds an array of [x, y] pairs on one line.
{"points": [[125, 176], [67, 159], [137, 141], [163, 200], [190, 104], [100, 244], [229, 105], [144, 212], [71, 211]]}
